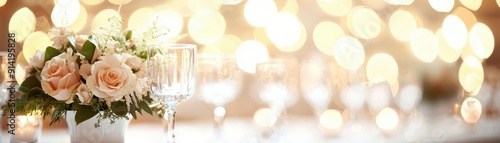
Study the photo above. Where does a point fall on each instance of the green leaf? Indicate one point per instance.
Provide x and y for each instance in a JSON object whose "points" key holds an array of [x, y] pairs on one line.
{"points": [[88, 50], [84, 113], [51, 52], [34, 92], [30, 83], [145, 107], [133, 110], [128, 34], [119, 108]]}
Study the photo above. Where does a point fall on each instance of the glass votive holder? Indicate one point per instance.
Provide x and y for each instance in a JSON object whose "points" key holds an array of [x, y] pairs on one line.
{"points": [[25, 129]]}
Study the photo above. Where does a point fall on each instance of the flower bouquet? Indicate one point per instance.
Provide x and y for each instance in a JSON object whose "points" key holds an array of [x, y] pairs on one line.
{"points": [[101, 76]]}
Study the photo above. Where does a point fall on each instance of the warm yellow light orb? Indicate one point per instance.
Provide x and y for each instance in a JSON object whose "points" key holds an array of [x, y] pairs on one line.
{"points": [[466, 15], [264, 117], [249, 53], [227, 44], [472, 4], [80, 21], [35, 41], [92, 2], [468, 52], [401, 24], [119, 2], [325, 35], [22, 23], [2, 2], [382, 66], [21, 60], [259, 34], [335, 7], [230, 2], [170, 19], [349, 53], [102, 19], [20, 73], [141, 19], [454, 31], [400, 2], [206, 27], [364, 23], [196, 5], [442, 5], [481, 40], [284, 30], [446, 52], [291, 6], [65, 13], [387, 119], [471, 110], [259, 13], [424, 45], [298, 44], [331, 119], [471, 75], [375, 4]]}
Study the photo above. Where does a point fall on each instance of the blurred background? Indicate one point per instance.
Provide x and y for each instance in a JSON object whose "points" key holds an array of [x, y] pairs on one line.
{"points": [[419, 37]]}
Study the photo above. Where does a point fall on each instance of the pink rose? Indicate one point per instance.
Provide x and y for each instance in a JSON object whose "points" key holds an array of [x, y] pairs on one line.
{"points": [[84, 94], [136, 64], [111, 78], [60, 77], [79, 41]]}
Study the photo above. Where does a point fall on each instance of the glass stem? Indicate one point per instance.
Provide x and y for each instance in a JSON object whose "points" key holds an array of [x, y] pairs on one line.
{"points": [[219, 116], [170, 118]]}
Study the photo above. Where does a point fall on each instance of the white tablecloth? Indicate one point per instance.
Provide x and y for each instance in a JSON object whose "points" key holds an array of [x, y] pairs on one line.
{"points": [[302, 130]]}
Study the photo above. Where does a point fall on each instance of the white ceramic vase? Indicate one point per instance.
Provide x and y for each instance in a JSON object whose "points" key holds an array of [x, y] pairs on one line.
{"points": [[86, 132]]}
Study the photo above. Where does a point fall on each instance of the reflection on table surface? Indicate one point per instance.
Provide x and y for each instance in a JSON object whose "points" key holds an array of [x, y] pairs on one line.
{"points": [[305, 129]]}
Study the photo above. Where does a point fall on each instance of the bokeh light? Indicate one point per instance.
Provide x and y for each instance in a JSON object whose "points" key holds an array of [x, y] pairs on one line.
{"points": [[230, 2], [20, 73], [468, 52], [466, 15], [409, 97], [481, 40], [92, 2], [22, 23], [80, 21], [298, 44], [197, 5], [284, 30], [472, 4], [379, 96], [471, 75], [395, 89], [446, 52], [227, 44], [400, 2], [454, 31], [442, 5], [291, 6], [65, 13], [119, 2], [335, 7], [471, 110], [387, 119], [382, 66], [353, 96], [264, 117], [349, 53], [325, 35], [21, 60], [102, 19], [249, 53], [258, 13], [401, 24], [141, 19], [206, 27], [259, 34], [35, 41], [2, 2], [375, 4], [364, 23], [424, 45], [170, 19], [331, 119]]}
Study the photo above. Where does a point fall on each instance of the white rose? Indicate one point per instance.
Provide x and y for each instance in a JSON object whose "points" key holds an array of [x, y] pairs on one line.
{"points": [[110, 78], [38, 59], [84, 94]]}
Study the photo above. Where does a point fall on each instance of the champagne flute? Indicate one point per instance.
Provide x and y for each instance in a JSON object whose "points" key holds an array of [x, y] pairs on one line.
{"points": [[172, 71], [219, 81]]}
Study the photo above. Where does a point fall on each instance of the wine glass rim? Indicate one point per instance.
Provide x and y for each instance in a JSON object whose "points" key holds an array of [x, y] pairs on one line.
{"points": [[176, 45]]}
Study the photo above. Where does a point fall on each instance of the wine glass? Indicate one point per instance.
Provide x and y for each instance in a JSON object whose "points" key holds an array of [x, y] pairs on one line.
{"points": [[219, 81], [172, 71], [316, 84]]}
